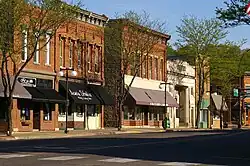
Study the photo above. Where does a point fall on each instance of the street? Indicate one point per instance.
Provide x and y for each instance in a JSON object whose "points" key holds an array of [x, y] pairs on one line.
{"points": [[168, 148]]}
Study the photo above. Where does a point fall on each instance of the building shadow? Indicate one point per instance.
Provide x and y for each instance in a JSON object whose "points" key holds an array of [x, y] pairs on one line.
{"points": [[214, 149]]}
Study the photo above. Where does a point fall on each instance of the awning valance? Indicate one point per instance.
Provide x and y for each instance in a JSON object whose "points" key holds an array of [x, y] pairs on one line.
{"points": [[19, 90], [45, 95], [103, 96], [151, 97]]}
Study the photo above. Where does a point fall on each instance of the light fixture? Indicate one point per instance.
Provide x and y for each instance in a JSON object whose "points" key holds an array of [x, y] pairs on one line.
{"points": [[74, 73], [60, 73]]}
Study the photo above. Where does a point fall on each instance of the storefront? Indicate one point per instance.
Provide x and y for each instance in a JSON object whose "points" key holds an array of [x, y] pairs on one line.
{"points": [[43, 104], [19, 94], [86, 105], [145, 108]]}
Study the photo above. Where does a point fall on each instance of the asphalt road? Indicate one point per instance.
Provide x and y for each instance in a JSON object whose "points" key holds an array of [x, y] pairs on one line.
{"points": [[175, 148]]}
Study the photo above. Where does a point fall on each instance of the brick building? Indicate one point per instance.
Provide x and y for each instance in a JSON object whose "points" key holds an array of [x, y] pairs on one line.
{"points": [[78, 45], [144, 105]]}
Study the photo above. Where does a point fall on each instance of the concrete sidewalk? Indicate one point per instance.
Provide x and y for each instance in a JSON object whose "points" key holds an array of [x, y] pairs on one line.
{"points": [[76, 133], [106, 131]]}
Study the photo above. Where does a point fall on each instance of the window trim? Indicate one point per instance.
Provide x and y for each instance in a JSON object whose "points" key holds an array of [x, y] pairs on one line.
{"points": [[47, 48], [25, 45], [61, 52]]}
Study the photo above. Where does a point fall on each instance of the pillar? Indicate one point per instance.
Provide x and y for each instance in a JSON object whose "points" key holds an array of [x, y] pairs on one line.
{"points": [[102, 117], [187, 110]]}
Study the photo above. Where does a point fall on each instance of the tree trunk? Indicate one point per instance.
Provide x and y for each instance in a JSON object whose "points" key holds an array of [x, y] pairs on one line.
{"points": [[9, 116]]}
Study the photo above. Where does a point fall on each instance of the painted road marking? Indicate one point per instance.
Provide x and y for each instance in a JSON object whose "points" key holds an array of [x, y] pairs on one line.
{"points": [[62, 158], [7, 156], [118, 160], [187, 164]]}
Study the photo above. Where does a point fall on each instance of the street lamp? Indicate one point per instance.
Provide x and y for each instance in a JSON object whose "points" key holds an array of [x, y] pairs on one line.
{"points": [[165, 95], [61, 73]]}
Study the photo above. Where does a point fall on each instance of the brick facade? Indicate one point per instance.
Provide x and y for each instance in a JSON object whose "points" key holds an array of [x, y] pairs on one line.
{"points": [[114, 69], [86, 31]]}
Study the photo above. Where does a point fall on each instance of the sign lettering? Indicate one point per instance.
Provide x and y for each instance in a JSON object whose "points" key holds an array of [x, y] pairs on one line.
{"points": [[27, 81], [81, 94]]}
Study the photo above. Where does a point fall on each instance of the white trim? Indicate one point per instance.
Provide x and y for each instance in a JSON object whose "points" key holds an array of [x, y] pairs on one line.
{"points": [[47, 50], [37, 54], [25, 41]]}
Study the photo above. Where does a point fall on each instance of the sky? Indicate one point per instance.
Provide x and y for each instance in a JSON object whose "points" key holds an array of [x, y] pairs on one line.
{"points": [[169, 11]]}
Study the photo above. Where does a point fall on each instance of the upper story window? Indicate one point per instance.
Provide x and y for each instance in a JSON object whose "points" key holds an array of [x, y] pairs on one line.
{"points": [[47, 50], [144, 66], [24, 45], [150, 65], [90, 49], [70, 53], [161, 70], [36, 58], [97, 55], [61, 52], [156, 68], [79, 55]]}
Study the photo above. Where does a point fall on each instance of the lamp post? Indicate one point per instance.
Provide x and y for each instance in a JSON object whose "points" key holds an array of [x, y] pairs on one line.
{"points": [[61, 73], [165, 95]]}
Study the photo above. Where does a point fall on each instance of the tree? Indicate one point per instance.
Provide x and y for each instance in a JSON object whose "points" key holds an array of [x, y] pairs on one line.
{"points": [[129, 40], [24, 24], [234, 14], [224, 70], [196, 36]]}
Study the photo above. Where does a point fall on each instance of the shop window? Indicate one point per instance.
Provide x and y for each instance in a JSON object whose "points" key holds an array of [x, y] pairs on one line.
{"points": [[125, 113], [61, 109], [132, 115], [155, 116], [44, 83], [24, 108], [91, 110], [151, 116], [3, 110], [47, 111], [161, 115], [79, 110]]}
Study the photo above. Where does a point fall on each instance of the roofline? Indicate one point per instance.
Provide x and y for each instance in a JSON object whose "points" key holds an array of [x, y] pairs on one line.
{"points": [[168, 37]]}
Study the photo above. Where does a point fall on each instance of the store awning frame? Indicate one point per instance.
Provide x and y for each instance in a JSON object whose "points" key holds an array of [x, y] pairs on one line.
{"points": [[19, 91], [150, 97], [45, 95]]}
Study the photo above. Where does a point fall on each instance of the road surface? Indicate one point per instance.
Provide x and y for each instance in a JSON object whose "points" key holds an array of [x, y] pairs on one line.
{"points": [[172, 148]]}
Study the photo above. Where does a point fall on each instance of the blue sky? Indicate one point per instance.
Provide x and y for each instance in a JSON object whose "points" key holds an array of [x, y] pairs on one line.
{"points": [[170, 11]]}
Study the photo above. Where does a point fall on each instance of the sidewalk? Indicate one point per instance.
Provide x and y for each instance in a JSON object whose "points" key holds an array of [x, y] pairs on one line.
{"points": [[76, 133], [106, 131]]}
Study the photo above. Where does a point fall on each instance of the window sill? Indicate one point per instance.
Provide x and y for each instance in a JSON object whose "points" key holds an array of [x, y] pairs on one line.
{"points": [[46, 64], [36, 63], [23, 60]]}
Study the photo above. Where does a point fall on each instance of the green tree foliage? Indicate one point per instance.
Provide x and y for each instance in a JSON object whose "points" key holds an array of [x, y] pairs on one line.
{"points": [[196, 37], [32, 20], [227, 64], [234, 14]]}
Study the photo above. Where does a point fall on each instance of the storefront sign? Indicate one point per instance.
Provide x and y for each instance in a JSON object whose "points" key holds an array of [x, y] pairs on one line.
{"points": [[81, 94], [25, 81], [158, 104]]}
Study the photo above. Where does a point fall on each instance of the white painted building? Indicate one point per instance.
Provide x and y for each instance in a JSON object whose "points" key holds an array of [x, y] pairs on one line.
{"points": [[181, 75]]}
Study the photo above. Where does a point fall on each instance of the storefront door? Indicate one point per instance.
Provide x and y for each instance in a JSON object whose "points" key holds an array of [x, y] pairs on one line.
{"points": [[36, 116], [145, 112]]}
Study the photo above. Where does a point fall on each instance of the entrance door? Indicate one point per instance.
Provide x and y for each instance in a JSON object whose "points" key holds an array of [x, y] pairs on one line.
{"points": [[145, 116], [36, 116]]}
